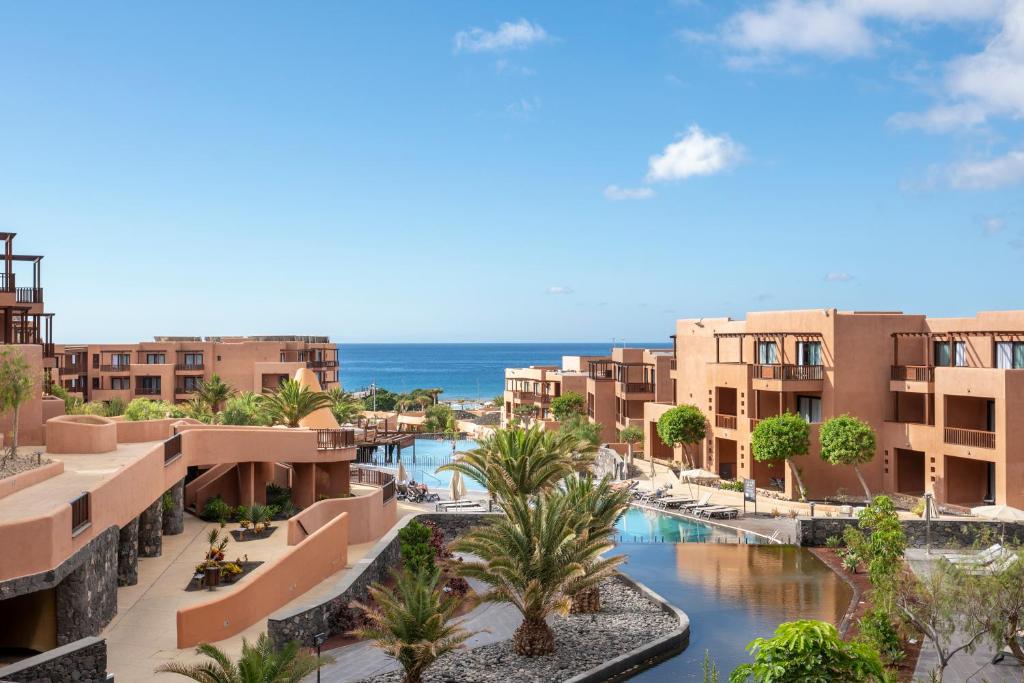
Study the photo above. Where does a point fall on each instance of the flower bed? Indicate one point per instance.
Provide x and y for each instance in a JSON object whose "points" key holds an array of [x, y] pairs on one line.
{"points": [[227, 577], [243, 535]]}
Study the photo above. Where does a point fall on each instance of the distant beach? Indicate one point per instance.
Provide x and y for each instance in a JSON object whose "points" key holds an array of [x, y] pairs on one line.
{"points": [[470, 371]]}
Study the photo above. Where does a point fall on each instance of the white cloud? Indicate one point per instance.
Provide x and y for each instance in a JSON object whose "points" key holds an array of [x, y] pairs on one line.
{"points": [[838, 277], [509, 36], [988, 174], [558, 290], [694, 154], [616, 193], [795, 26], [993, 225]]}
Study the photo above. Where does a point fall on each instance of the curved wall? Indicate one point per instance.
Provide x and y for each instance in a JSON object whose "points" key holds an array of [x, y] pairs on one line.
{"points": [[369, 517], [80, 434]]}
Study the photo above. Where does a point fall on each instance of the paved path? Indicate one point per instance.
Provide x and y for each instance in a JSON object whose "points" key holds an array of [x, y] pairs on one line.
{"points": [[976, 667], [362, 660]]}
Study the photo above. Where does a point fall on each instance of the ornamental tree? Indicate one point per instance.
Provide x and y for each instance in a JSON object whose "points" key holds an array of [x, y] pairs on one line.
{"points": [[809, 650], [781, 438], [846, 440], [632, 435], [568, 404], [17, 385], [682, 426]]}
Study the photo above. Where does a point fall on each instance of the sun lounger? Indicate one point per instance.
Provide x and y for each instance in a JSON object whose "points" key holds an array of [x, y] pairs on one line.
{"points": [[673, 501], [446, 506], [986, 556], [722, 512], [999, 565], [703, 502]]}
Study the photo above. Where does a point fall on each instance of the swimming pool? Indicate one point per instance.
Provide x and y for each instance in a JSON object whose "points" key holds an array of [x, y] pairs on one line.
{"points": [[733, 586], [424, 457]]}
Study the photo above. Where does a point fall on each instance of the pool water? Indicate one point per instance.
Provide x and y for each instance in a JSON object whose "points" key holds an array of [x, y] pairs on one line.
{"points": [[424, 457], [733, 587]]}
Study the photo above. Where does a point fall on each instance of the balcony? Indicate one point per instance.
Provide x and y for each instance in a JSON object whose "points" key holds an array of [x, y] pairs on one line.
{"points": [[333, 439], [974, 438], [184, 389], [321, 364], [913, 373], [188, 367], [638, 387], [147, 391], [120, 367], [601, 374], [6, 282], [790, 373], [530, 397], [754, 421], [78, 369], [28, 295], [726, 421]]}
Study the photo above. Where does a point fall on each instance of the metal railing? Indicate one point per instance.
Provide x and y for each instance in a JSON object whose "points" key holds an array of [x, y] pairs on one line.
{"points": [[639, 387], [120, 367], [28, 295], [80, 514], [147, 391], [977, 438], [385, 480], [789, 372], [172, 448], [725, 421], [6, 282], [333, 439], [913, 373], [317, 364], [754, 421], [188, 366]]}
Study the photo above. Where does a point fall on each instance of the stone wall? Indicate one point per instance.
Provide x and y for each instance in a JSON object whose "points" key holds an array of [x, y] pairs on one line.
{"points": [[151, 529], [84, 660], [128, 554], [335, 615], [945, 533], [86, 600], [174, 518]]}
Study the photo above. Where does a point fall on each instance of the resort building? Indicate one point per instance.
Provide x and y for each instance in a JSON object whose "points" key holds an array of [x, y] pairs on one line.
{"points": [[618, 387], [940, 393], [536, 385], [172, 368]]}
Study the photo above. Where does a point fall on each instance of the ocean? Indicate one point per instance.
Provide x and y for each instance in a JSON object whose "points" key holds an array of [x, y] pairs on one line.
{"points": [[470, 371]]}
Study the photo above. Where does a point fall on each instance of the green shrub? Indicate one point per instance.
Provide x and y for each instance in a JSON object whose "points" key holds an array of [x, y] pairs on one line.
{"points": [[167, 502], [216, 510], [414, 543], [144, 409], [834, 542], [115, 406], [877, 629], [918, 509], [731, 485]]}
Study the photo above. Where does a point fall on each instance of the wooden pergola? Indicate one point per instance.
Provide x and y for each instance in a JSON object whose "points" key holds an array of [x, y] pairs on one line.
{"points": [[778, 337]]}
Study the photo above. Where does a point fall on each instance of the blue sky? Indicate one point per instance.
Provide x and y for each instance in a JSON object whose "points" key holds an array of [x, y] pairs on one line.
{"points": [[509, 171]]}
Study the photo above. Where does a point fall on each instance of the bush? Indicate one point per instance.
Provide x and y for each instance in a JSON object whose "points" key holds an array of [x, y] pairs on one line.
{"points": [[834, 542], [216, 510], [568, 404], [877, 629], [918, 509], [115, 406], [809, 651], [731, 485], [144, 409], [414, 544]]}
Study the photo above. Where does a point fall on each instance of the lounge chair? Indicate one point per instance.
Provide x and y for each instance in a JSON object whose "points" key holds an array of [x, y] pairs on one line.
{"points": [[721, 512], [703, 502], [674, 501], [996, 567], [986, 556], [445, 506]]}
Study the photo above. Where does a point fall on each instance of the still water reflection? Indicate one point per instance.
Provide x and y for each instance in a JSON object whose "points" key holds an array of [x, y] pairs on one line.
{"points": [[732, 592]]}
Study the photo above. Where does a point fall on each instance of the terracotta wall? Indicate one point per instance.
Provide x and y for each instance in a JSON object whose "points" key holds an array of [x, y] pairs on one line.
{"points": [[81, 434], [268, 588], [145, 430], [369, 517], [23, 480]]}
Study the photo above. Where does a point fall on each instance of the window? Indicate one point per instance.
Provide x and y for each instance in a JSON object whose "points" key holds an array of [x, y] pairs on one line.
{"points": [[119, 383], [191, 384], [942, 354], [152, 383], [95, 382], [767, 353], [192, 359], [120, 360], [155, 359], [1010, 355], [808, 353], [809, 408]]}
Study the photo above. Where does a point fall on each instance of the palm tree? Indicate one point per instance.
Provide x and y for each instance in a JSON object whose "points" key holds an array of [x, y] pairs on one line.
{"points": [[514, 462], [198, 409], [532, 558], [214, 392], [580, 452], [293, 401], [259, 663], [598, 507], [411, 623]]}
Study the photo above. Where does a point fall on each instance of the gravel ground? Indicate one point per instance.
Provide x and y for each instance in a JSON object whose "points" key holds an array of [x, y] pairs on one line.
{"points": [[19, 464], [627, 621]]}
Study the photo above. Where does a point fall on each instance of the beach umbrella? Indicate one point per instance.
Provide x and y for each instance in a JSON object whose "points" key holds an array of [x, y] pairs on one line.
{"points": [[698, 474], [402, 475], [455, 487], [999, 513]]}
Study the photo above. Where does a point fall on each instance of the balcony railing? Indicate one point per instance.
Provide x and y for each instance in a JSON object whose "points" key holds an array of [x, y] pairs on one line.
{"points": [[78, 369], [531, 397], [638, 387], [913, 373], [120, 367], [672, 364], [754, 421], [172, 448], [333, 439], [28, 295], [725, 421], [185, 389], [188, 366], [321, 364], [385, 480], [976, 438], [80, 514], [6, 282], [601, 374], [789, 372], [147, 391]]}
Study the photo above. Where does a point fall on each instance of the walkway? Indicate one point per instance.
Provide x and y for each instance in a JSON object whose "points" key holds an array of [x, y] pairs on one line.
{"points": [[363, 660], [976, 666]]}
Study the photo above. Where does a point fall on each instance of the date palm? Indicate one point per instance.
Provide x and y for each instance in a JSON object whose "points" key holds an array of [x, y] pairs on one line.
{"points": [[214, 392], [293, 401], [259, 663], [532, 558], [514, 462], [597, 507], [412, 622]]}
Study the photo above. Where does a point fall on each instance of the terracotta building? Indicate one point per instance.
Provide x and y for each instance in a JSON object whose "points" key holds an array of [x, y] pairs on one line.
{"points": [[941, 394], [171, 368]]}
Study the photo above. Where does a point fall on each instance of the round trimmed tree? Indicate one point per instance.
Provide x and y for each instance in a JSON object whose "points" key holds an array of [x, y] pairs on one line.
{"points": [[568, 404], [682, 426], [632, 435], [846, 440], [780, 439]]}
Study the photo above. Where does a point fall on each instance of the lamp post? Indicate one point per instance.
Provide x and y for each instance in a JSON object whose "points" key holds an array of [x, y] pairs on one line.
{"points": [[318, 640], [928, 522]]}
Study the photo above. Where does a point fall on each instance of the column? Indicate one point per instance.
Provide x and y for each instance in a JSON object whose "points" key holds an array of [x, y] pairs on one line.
{"points": [[303, 484], [337, 479], [174, 509], [151, 524], [128, 554], [246, 485]]}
